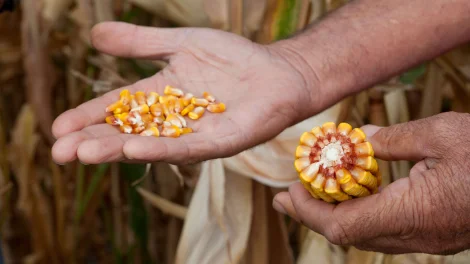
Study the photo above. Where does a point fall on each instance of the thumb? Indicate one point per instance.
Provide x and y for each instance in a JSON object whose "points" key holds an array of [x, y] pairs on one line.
{"points": [[405, 141]]}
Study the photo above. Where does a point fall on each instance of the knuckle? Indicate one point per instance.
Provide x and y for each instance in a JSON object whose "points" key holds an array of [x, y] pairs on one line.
{"points": [[336, 234]]}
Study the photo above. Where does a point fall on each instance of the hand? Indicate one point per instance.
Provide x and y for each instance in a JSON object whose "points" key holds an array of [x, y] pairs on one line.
{"points": [[427, 212], [263, 92]]}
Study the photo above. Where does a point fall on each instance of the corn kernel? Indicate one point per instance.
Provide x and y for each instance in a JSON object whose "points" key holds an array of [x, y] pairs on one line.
{"points": [[186, 130], [133, 103], [216, 108], [158, 120], [125, 97], [308, 139], [139, 128], [140, 98], [127, 129], [152, 98], [357, 136], [301, 164], [196, 113], [179, 105], [112, 120], [344, 129], [187, 109], [364, 149], [166, 98], [113, 106], [153, 131], [208, 97], [199, 102], [142, 109], [122, 109], [317, 132], [187, 99], [175, 121], [173, 91], [318, 186], [333, 189], [302, 151], [172, 131], [309, 173], [182, 120], [329, 128], [156, 109]]}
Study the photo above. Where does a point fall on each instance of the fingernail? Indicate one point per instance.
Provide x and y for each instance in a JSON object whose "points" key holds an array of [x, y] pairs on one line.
{"points": [[278, 207], [370, 130]]}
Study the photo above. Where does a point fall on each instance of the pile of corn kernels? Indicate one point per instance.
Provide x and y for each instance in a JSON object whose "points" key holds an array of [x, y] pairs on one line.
{"points": [[157, 115]]}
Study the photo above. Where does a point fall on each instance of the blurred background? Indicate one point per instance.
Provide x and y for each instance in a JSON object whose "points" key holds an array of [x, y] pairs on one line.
{"points": [[215, 212]]}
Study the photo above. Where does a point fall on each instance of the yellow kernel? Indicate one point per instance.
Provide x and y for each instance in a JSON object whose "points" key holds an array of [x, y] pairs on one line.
{"points": [[113, 106], [133, 102], [199, 101], [208, 97], [122, 109], [112, 120], [357, 136], [166, 98], [172, 131], [126, 129], [179, 105], [174, 120], [186, 130], [216, 108], [329, 128], [156, 109], [140, 98], [317, 132], [173, 91], [187, 109], [125, 97], [196, 113], [158, 120], [344, 128], [182, 120], [187, 99], [152, 98], [152, 131], [142, 109]]}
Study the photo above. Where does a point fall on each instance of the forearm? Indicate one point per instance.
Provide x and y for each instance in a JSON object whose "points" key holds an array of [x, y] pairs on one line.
{"points": [[369, 41]]}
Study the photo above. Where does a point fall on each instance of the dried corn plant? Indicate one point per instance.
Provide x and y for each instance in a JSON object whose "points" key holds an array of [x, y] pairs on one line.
{"points": [[218, 211]]}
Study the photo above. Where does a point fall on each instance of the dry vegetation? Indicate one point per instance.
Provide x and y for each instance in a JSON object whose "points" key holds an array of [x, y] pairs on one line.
{"points": [[209, 213]]}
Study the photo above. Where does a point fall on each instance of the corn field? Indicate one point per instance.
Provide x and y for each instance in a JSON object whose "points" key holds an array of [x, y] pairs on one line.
{"points": [[218, 211]]}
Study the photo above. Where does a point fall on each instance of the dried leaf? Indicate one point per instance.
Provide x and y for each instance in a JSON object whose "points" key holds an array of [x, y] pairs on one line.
{"points": [[162, 204], [40, 73], [206, 238]]}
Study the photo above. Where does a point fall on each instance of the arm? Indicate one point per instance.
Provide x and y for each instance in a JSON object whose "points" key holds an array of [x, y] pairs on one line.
{"points": [[368, 41]]}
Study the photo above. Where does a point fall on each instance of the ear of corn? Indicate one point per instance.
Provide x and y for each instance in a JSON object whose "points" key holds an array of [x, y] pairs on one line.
{"points": [[336, 163], [158, 115]]}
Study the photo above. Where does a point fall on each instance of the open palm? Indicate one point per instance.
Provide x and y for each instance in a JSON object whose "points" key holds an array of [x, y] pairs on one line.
{"points": [[263, 93]]}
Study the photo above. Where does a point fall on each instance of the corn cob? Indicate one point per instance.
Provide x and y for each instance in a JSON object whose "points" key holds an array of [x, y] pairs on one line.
{"points": [[336, 163], [152, 114]]}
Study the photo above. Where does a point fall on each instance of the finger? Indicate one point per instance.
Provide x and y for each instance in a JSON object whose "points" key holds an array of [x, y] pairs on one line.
{"points": [[313, 213], [283, 204], [93, 111], [65, 149], [348, 222], [128, 40], [406, 141], [103, 149], [188, 149]]}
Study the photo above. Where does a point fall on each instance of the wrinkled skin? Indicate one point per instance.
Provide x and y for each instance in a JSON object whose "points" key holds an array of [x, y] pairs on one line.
{"points": [[261, 89], [428, 212]]}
